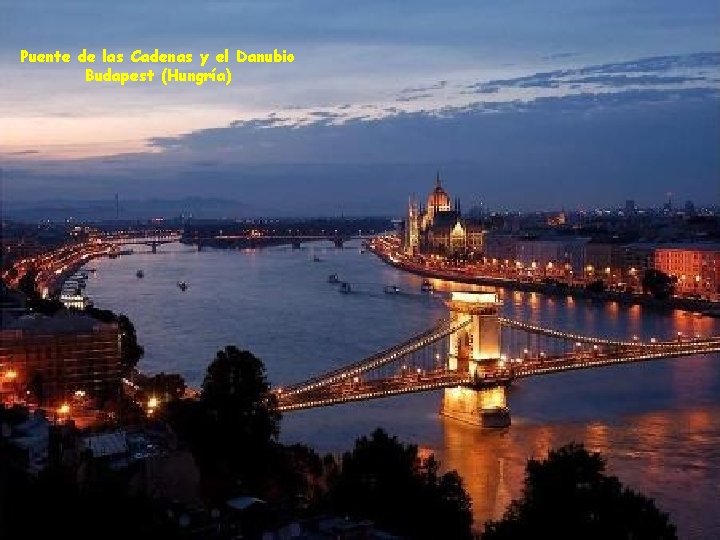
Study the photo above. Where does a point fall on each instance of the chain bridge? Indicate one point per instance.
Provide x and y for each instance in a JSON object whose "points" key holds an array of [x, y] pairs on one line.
{"points": [[474, 355]]}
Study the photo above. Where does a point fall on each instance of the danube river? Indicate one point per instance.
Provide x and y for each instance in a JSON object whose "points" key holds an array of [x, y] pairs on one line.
{"points": [[658, 423]]}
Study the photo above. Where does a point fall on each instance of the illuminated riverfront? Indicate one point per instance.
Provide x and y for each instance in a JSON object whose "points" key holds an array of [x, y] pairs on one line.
{"points": [[634, 405], [442, 273]]}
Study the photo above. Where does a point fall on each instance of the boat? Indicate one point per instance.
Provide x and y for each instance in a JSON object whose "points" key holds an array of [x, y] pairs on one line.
{"points": [[426, 286], [345, 288], [182, 285], [333, 278], [392, 289], [140, 274]]}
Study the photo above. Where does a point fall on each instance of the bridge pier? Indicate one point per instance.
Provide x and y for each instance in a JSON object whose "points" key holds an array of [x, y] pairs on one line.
{"points": [[296, 244], [339, 242], [486, 408], [475, 351], [153, 247]]}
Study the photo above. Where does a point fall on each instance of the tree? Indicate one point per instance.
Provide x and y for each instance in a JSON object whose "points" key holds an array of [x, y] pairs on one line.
{"points": [[597, 286], [385, 481], [236, 392], [167, 386], [131, 350], [28, 284], [36, 387], [568, 495], [232, 429], [660, 285]]}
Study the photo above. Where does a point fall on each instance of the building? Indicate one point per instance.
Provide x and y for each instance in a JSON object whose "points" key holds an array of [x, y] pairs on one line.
{"points": [[27, 439], [630, 208], [49, 359], [12, 303], [638, 258], [552, 253], [439, 227], [696, 267], [607, 261], [501, 247]]}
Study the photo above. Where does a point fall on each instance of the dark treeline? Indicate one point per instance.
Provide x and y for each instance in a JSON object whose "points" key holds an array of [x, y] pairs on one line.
{"points": [[232, 430]]}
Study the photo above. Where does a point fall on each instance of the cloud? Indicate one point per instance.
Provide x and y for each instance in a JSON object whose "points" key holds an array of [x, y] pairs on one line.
{"points": [[23, 152], [676, 70], [572, 150]]}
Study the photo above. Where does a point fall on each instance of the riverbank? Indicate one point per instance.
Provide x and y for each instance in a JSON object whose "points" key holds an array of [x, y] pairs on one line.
{"points": [[55, 285], [702, 307]]}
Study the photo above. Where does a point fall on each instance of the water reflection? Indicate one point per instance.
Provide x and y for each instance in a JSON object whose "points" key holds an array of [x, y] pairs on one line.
{"points": [[660, 454], [658, 422]]}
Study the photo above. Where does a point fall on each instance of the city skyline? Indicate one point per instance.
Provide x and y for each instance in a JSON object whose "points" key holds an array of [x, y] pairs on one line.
{"points": [[275, 269], [563, 105]]}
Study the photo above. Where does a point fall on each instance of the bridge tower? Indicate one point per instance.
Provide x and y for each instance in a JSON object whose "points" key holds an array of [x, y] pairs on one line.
{"points": [[475, 351]]}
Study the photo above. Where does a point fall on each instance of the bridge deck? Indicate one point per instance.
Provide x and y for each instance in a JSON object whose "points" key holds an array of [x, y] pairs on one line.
{"points": [[345, 384]]}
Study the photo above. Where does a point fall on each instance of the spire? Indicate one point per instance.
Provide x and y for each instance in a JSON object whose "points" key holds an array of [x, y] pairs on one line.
{"points": [[437, 178]]}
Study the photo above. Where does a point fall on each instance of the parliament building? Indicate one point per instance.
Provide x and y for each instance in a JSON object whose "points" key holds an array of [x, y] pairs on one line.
{"points": [[439, 228]]}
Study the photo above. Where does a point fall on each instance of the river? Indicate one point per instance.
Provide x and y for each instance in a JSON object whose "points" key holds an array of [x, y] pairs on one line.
{"points": [[657, 423]]}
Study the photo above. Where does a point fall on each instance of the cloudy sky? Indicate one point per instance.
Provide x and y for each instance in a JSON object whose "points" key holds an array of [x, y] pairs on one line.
{"points": [[520, 104]]}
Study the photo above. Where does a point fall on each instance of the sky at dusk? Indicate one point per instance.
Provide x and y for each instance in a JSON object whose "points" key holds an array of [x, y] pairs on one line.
{"points": [[519, 104]]}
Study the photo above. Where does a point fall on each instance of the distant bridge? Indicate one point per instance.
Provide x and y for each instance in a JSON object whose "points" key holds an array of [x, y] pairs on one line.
{"points": [[462, 354], [148, 238], [259, 240]]}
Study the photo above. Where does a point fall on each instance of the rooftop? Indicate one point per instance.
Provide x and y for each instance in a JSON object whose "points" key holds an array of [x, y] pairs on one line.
{"points": [[60, 323]]}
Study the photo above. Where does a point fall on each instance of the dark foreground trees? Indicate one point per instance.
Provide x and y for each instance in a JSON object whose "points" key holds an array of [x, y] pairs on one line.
{"points": [[386, 481], [568, 495], [658, 284], [232, 429]]}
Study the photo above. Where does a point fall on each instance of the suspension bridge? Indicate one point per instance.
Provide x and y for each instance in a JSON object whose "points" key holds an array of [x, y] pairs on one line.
{"points": [[474, 354]]}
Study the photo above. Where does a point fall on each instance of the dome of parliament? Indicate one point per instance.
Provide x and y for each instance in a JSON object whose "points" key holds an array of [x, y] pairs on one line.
{"points": [[438, 198]]}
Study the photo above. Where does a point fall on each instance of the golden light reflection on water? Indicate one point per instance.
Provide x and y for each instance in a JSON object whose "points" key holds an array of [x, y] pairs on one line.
{"points": [[657, 453], [596, 437]]}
